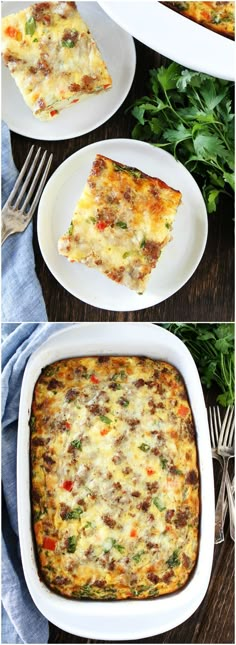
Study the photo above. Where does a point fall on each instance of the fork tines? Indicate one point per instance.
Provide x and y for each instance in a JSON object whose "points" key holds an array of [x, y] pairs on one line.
{"points": [[23, 198]]}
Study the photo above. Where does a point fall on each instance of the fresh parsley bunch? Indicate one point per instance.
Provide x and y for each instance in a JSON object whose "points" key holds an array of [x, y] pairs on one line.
{"points": [[212, 347], [190, 115]]}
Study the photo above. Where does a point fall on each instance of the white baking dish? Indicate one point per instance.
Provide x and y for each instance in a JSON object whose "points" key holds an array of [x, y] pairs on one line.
{"points": [[129, 619]]}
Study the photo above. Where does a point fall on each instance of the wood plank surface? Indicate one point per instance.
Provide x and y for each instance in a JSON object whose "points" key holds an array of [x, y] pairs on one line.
{"points": [[207, 296]]}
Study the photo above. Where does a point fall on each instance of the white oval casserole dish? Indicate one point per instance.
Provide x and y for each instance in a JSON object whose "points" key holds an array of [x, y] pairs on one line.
{"points": [[129, 619]]}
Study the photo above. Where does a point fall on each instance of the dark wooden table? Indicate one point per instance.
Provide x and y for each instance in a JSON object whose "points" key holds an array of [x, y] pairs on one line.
{"points": [[213, 622], [208, 295]]}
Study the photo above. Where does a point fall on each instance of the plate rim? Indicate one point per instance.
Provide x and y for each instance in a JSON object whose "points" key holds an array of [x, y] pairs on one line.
{"points": [[66, 163], [40, 137]]}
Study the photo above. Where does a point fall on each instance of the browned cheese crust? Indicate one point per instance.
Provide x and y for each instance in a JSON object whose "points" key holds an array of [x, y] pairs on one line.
{"points": [[115, 478]]}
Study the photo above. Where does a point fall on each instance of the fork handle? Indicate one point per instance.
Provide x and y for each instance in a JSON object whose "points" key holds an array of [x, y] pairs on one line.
{"points": [[219, 524], [4, 232], [231, 509]]}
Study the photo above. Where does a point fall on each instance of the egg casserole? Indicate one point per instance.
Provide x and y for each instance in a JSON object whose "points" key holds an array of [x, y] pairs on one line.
{"points": [[217, 16], [114, 478], [53, 57], [121, 223]]}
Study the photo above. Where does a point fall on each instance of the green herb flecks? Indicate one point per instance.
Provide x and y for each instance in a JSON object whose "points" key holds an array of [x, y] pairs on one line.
{"points": [[50, 370], [77, 443], [137, 556], [74, 514], [190, 114], [40, 513], [144, 447], [158, 504], [131, 171], [71, 544], [70, 229], [173, 560], [142, 244], [32, 423], [105, 419], [30, 26], [121, 224], [111, 543], [181, 6], [164, 462], [68, 43]]}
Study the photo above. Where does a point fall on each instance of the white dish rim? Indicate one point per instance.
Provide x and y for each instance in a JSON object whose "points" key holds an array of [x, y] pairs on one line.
{"points": [[62, 344], [203, 40]]}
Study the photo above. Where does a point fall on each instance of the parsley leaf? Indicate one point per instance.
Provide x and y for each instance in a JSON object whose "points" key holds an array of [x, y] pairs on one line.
{"points": [[190, 114], [212, 347]]}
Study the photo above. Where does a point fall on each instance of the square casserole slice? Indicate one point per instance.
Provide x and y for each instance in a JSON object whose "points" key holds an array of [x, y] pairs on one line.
{"points": [[52, 56], [115, 478], [121, 223]]}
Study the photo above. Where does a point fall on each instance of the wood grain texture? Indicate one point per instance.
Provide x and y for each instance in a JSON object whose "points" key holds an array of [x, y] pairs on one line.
{"points": [[208, 295], [213, 622]]}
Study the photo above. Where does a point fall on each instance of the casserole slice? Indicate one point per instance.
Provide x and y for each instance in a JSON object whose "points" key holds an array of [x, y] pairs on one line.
{"points": [[121, 222], [53, 57]]}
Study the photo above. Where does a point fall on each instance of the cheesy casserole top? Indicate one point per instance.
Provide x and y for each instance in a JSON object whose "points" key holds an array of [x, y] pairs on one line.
{"points": [[115, 481], [121, 223], [217, 16], [52, 56]]}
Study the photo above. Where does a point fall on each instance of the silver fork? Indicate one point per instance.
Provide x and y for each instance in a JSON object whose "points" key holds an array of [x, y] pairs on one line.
{"points": [[16, 216], [225, 449], [215, 429]]}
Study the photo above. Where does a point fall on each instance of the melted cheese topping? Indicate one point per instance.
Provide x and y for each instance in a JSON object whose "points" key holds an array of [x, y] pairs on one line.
{"points": [[121, 223], [52, 56], [217, 16], [115, 482]]}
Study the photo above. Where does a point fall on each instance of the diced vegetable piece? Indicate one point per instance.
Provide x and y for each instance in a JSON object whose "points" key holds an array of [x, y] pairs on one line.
{"points": [[30, 26], [144, 447], [49, 543], [68, 485], [71, 544]]}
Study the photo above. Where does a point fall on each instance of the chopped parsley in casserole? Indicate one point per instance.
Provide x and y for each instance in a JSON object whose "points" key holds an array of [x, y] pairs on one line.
{"points": [[121, 223], [52, 56], [115, 479]]}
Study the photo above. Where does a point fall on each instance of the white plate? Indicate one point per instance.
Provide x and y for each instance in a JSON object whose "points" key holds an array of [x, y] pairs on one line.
{"points": [[118, 51], [178, 260], [175, 36], [128, 619]]}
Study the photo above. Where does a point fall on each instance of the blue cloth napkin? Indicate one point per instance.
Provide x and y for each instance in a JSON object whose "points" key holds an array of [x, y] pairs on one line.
{"points": [[22, 297], [21, 620]]}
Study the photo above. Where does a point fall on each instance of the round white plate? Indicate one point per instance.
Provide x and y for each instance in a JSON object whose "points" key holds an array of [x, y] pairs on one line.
{"points": [[118, 50], [179, 258], [175, 36]]}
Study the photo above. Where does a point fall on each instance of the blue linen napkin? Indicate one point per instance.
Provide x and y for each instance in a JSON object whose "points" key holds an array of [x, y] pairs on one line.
{"points": [[22, 298], [21, 620]]}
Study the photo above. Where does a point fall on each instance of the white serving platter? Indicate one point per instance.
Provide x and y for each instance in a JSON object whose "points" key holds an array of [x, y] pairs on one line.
{"points": [[179, 258], [175, 36], [130, 619], [118, 50]]}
